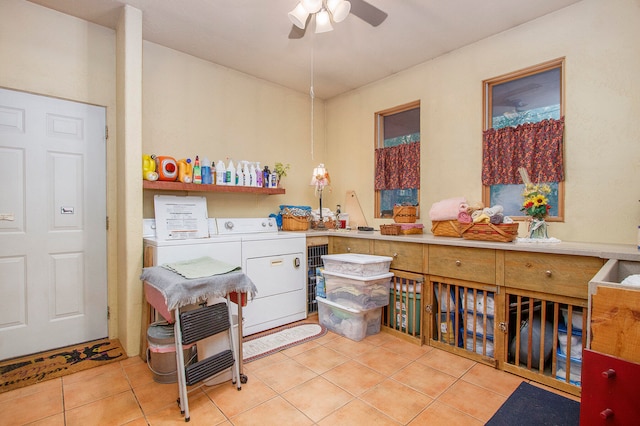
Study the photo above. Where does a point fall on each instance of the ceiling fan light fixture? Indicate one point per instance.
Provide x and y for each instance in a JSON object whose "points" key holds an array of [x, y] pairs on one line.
{"points": [[298, 16], [339, 9], [323, 22], [311, 6]]}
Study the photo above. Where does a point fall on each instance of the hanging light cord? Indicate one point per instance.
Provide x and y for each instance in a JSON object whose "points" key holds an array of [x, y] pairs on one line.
{"points": [[312, 95]]}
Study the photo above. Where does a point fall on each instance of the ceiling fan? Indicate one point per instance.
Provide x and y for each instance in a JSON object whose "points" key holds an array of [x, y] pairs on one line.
{"points": [[328, 11]]}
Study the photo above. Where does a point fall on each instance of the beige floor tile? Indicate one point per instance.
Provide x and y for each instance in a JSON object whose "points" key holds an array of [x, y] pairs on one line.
{"points": [[30, 407], [116, 409], [233, 402], [275, 412], [348, 347], [438, 414], [379, 339], [155, 396], [263, 362], [94, 385], [492, 379], [55, 420], [396, 400], [383, 361], [354, 377], [424, 379], [407, 349], [46, 386], [317, 398], [446, 362], [473, 400], [298, 349], [357, 413], [321, 359], [284, 375], [138, 374], [202, 411]]}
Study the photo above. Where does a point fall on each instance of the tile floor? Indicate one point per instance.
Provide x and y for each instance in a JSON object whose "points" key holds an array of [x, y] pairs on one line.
{"points": [[332, 380]]}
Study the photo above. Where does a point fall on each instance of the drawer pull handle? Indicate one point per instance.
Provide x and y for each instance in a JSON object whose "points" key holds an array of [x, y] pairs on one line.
{"points": [[349, 249], [458, 263], [395, 255], [548, 273], [607, 413], [609, 374]]}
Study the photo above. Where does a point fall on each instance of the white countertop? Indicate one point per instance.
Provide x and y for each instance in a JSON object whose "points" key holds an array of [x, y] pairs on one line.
{"points": [[605, 251]]}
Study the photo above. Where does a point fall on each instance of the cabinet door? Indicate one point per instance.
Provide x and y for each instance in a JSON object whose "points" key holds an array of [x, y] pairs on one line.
{"points": [[350, 245], [562, 275], [406, 256], [464, 263]]}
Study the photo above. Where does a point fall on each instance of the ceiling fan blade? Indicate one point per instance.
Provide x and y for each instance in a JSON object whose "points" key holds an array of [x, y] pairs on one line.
{"points": [[368, 12]]}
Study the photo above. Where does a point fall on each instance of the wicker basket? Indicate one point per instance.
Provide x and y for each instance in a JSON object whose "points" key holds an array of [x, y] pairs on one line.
{"points": [[295, 223], [503, 233], [449, 228], [404, 214], [390, 229], [409, 229], [328, 224]]}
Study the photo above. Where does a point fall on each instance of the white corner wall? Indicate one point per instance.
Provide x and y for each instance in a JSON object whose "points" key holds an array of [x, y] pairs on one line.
{"points": [[602, 146]]}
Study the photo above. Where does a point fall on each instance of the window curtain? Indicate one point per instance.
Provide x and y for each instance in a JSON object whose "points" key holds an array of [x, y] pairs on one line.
{"points": [[398, 167], [537, 147]]}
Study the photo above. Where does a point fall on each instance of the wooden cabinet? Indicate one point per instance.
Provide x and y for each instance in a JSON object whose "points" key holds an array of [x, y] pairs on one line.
{"points": [[406, 256], [563, 275], [464, 263], [350, 245]]}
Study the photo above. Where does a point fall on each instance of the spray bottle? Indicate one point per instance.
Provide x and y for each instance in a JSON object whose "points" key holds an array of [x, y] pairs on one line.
{"points": [[258, 174], [239, 175], [197, 171], [206, 171], [245, 173], [221, 173], [231, 174], [266, 177], [185, 170]]}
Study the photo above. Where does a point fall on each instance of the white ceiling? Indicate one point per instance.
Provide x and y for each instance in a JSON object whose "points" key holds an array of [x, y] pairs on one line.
{"points": [[252, 36]]}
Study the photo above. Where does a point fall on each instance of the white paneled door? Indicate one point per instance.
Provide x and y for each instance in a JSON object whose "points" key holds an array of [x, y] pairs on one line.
{"points": [[53, 276]]}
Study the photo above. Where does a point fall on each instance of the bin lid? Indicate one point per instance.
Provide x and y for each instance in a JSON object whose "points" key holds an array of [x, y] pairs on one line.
{"points": [[357, 258], [160, 333]]}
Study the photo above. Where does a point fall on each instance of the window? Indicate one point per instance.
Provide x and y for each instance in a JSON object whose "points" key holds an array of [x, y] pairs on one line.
{"points": [[523, 103], [397, 158]]}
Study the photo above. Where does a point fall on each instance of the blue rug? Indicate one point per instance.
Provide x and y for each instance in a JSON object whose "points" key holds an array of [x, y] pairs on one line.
{"points": [[530, 405]]}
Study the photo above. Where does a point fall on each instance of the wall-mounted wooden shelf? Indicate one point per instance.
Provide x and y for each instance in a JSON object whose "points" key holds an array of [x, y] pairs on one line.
{"points": [[192, 187]]}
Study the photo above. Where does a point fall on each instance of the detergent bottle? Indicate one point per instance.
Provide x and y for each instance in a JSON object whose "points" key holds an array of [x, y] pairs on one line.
{"points": [[239, 175], [185, 170], [149, 167], [206, 171], [197, 171], [258, 172], [221, 172], [166, 168], [231, 174], [247, 176]]}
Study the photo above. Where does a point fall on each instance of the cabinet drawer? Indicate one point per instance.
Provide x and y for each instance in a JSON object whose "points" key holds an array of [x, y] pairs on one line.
{"points": [[563, 275], [406, 256], [350, 245], [464, 263]]}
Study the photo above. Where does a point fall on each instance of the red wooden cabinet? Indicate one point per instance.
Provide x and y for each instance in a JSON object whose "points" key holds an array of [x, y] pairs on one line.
{"points": [[610, 390]]}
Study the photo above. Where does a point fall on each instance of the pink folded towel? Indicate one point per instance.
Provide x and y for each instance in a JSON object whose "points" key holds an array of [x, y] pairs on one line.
{"points": [[464, 217], [446, 209]]}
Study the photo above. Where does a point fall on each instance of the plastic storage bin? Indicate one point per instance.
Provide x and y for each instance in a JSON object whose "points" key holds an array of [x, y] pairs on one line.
{"points": [[360, 293], [575, 375], [354, 324], [402, 311], [477, 324], [572, 345], [361, 265], [478, 302], [576, 317]]}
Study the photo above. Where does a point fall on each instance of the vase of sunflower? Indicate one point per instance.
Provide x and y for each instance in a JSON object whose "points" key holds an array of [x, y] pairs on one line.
{"points": [[536, 206]]}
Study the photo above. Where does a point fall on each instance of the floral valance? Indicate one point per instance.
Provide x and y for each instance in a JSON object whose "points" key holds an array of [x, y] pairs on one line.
{"points": [[398, 167], [535, 146]]}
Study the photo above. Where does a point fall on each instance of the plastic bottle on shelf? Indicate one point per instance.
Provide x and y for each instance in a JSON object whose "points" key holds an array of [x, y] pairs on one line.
{"points": [[214, 178], [266, 177], [231, 174], [258, 175], [247, 174], [239, 174], [197, 172], [206, 171], [221, 173], [185, 171]]}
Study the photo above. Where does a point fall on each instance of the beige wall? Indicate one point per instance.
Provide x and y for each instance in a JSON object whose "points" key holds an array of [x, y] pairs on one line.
{"points": [[194, 107], [600, 42]]}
